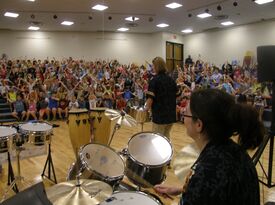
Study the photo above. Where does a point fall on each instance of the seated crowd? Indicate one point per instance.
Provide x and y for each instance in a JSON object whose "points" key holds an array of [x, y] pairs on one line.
{"points": [[48, 89]]}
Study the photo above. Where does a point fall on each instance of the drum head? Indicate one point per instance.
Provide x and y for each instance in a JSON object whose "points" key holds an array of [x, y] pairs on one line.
{"points": [[133, 198], [7, 131], [78, 111], [102, 159], [36, 127], [150, 148]]}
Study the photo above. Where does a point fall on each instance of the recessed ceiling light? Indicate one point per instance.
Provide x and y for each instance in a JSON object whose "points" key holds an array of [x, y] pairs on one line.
{"points": [[99, 7], [263, 1], [187, 31], [131, 18], [173, 5], [204, 15], [227, 23], [10, 14], [123, 29], [31, 0], [67, 23], [162, 25], [34, 28]]}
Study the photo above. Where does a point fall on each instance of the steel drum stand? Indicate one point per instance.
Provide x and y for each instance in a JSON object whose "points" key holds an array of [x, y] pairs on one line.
{"points": [[11, 177], [13, 185], [49, 162]]}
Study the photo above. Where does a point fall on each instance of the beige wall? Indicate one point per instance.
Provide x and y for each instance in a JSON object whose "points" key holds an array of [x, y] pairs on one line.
{"points": [[123, 46], [231, 43]]}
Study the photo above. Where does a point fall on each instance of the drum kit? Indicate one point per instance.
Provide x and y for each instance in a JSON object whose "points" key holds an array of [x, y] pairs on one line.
{"points": [[17, 138], [97, 175]]}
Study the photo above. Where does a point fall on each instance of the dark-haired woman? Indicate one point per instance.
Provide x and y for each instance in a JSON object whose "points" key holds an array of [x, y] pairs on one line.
{"points": [[224, 172]]}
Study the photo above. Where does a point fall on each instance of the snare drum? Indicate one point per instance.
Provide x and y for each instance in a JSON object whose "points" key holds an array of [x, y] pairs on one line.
{"points": [[148, 155], [6, 138], [131, 197], [79, 128], [97, 161], [36, 133]]}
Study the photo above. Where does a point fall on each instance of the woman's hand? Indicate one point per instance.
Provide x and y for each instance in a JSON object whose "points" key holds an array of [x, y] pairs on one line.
{"points": [[164, 190]]}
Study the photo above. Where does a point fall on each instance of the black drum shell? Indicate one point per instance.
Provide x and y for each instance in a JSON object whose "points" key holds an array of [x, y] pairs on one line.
{"points": [[145, 175]]}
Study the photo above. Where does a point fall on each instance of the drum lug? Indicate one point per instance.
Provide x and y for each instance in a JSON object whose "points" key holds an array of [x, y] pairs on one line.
{"points": [[84, 121], [77, 122], [124, 152]]}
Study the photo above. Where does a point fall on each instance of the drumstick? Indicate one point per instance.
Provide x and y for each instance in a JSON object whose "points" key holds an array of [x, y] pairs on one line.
{"points": [[147, 184]]}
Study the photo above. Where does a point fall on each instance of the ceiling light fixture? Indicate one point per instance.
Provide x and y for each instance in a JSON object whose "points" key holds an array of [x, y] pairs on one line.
{"points": [[10, 14], [67, 23], [227, 23], [173, 5], [187, 30], [204, 15], [263, 1], [99, 7], [219, 7], [123, 29], [132, 18], [34, 28], [162, 25], [31, 0]]}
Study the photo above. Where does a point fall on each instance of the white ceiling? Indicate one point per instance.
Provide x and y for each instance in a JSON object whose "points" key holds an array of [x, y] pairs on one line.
{"points": [[78, 11]]}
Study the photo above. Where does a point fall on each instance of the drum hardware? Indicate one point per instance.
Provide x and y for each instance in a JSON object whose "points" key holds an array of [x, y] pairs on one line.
{"points": [[84, 121], [121, 119], [11, 177], [82, 192], [49, 162], [17, 179]]}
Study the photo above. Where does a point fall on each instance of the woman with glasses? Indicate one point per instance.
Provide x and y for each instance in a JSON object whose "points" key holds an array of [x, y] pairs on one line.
{"points": [[223, 173]]}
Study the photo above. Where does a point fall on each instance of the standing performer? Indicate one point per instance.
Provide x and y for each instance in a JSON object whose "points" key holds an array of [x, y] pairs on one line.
{"points": [[161, 98]]}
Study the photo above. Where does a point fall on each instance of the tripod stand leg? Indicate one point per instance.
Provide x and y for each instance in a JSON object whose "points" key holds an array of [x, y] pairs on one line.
{"points": [[11, 178], [270, 162], [49, 162]]}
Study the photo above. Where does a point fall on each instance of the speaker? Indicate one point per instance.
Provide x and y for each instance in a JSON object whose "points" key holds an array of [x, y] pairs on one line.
{"points": [[266, 63], [34, 195]]}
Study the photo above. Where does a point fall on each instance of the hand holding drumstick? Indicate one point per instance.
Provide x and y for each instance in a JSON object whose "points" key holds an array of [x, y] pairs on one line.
{"points": [[166, 191]]}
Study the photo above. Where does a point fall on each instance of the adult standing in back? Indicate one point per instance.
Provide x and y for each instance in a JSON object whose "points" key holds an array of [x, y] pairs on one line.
{"points": [[161, 98]]}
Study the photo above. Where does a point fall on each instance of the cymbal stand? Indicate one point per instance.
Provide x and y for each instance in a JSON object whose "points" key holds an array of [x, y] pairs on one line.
{"points": [[117, 126], [49, 162], [13, 185]]}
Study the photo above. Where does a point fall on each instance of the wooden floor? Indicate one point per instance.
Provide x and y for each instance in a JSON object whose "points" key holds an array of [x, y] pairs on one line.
{"points": [[63, 156]]}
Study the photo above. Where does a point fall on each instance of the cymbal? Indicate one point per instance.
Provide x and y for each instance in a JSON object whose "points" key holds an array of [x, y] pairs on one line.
{"points": [[183, 161], [90, 192], [121, 117]]}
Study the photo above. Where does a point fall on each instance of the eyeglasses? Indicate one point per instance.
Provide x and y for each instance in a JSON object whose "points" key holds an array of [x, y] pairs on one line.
{"points": [[184, 115], [191, 116]]}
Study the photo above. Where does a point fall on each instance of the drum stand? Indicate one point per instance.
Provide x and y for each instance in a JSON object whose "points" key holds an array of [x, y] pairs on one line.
{"points": [[11, 177], [17, 179], [49, 162], [117, 126]]}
